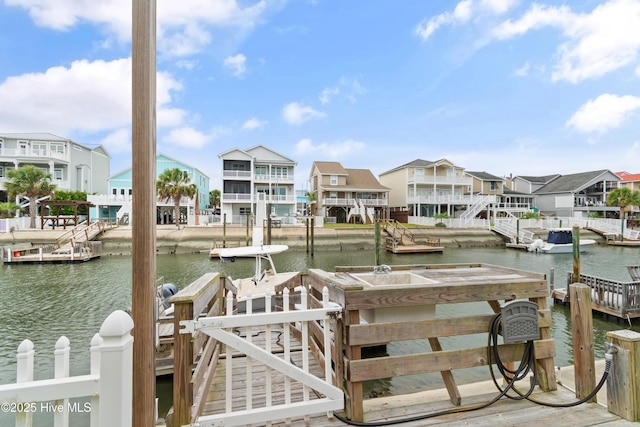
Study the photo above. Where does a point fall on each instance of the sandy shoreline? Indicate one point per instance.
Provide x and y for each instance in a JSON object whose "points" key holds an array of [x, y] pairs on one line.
{"points": [[171, 239]]}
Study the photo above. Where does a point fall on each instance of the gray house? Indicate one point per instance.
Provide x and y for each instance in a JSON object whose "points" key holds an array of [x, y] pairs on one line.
{"points": [[73, 167], [578, 194]]}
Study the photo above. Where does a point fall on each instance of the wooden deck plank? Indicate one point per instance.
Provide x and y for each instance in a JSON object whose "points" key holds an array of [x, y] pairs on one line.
{"points": [[503, 413]]}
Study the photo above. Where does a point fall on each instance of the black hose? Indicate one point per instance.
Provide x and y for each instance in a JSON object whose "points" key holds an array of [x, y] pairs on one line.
{"points": [[527, 363]]}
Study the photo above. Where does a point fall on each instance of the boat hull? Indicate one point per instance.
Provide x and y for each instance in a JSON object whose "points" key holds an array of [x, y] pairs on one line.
{"points": [[564, 248]]}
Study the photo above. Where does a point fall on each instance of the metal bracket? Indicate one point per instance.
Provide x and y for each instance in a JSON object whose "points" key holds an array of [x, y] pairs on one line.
{"points": [[189, 327]]}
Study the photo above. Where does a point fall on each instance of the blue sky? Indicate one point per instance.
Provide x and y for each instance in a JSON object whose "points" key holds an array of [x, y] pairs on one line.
{"points": [[502, 86]]}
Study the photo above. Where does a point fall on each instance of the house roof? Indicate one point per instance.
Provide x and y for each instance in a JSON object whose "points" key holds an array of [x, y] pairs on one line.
{"points": [[363, 179], [39, 136], [538, 179], [329, 168], [419, 163], [484, 176], [628, 177], [572, 183]]}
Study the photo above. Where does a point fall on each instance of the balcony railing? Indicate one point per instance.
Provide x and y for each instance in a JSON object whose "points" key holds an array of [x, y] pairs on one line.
{"points": [[244, 198], [443, 199], [236, 174], [340, 201], [37, 153], [275, 179], [435, 180]]}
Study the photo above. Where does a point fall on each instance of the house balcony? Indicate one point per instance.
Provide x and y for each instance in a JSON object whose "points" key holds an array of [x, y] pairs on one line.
{"points": [[440, 180], [236, 197], [451, 199], [336, 201], [121, 199], [41, 155], [273, 179], [237, 175]]}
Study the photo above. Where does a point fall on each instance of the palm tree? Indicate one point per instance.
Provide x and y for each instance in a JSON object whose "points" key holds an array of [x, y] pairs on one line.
{"points": [[8, 209], [311, 198], [623, 197], [32, 183], [173, 184], [214, 199]]}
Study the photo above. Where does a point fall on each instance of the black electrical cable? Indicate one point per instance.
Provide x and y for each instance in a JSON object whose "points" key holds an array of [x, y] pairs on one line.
{"points": [[527, 363], [532, 364]]}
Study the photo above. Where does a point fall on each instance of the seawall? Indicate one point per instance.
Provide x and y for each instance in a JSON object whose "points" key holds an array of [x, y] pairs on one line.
{"points": [[171, 239]]}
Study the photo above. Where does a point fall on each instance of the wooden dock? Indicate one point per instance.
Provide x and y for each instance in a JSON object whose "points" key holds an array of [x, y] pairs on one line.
{"points": [[400, 240], [254, 370], [505, 412], [73, 246], [610, 297]]}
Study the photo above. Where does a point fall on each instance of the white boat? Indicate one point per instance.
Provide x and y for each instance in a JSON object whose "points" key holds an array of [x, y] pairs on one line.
{"points": [[559, 241], [263, 280]]}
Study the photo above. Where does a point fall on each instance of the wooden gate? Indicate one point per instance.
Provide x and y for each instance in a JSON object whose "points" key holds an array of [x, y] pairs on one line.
{"points": [[225, 329]]}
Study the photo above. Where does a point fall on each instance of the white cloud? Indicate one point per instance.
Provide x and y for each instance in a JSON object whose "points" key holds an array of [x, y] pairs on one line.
{"points": [[327, 94], [463, 12], [187, 137], [596, 43], [334, 150], [237, 64], [88, 97], [183, 27], [118, 141], [524, 70], [254, 123], [604, 113], [296, 114]]}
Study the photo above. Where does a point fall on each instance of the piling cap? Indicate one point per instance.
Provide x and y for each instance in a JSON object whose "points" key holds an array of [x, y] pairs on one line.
{"points": [[116, 324]]}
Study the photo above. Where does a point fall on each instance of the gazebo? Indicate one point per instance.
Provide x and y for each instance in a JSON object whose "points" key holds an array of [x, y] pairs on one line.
{"points": [[63, 220]]}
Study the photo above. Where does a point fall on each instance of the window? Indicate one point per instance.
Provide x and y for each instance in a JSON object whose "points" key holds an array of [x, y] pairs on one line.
{"points": [[58, 174], [39, 148], [1, 172], [114, 191], [418, 171], [244, 211], [494, 185], [57, 148], [334, 180], [23, 147]]}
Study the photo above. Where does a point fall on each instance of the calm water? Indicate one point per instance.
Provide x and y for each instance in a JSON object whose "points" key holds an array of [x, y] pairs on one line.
{"points": [[43, 302]]}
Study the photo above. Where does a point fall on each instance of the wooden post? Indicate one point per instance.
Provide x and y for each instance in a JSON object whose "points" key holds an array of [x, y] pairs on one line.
{"points": [[247, 230], [182, 365], [582, 330], [224, 230], [306, 223], [143, 245], [575, 234], [312, 226], [377, 244], [623, 384]]}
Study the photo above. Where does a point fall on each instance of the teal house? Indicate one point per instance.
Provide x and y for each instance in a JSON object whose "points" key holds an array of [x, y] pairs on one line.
{"points": [[116, 204]]}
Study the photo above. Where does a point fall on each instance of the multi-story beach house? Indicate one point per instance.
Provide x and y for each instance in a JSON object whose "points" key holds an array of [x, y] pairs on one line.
{"points": [[115, 202], [253, 177], [72, 166], [632, 182], [345, 195], [494, 196], [579, 194], [429, 188]]}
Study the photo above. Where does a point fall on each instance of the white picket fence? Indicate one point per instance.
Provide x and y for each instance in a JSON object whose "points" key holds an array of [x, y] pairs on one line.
{"points": [[108, 385]]}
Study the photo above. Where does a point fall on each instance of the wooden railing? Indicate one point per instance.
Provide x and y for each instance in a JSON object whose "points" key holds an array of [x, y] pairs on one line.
{"points": [[204, 297], [616, 297]]}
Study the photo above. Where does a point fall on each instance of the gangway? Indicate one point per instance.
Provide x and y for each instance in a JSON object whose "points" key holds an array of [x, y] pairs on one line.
{"points": [[510, 230], [401, 240]]}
